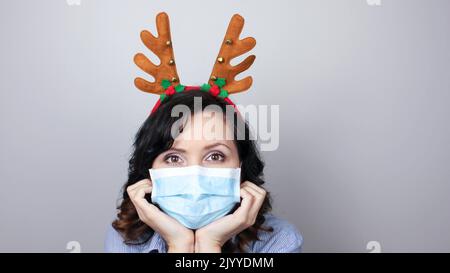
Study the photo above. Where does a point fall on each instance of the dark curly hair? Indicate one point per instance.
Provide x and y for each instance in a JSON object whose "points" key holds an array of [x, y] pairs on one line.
{"points": [[154, 137]]}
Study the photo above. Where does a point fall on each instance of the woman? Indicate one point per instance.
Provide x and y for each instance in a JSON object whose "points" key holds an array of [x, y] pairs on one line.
{"points": [[141, 226]]}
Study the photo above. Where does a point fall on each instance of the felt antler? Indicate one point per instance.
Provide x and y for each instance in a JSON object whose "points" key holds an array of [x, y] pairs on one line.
{"points": [[232, 47], [162, 47], [222, 80]]}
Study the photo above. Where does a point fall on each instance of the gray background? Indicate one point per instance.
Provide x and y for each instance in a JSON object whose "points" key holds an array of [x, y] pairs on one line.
{"points": [[364, 114]]}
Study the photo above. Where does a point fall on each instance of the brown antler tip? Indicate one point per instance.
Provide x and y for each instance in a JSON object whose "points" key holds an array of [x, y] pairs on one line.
{"points": [[250, 81], [137, 57], [163, 14], [136, 83], [237, 16], [141, 84], [144, 33]]}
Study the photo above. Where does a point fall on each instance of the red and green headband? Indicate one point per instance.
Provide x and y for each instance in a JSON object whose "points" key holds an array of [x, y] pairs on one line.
{"points": [[215, 89]]}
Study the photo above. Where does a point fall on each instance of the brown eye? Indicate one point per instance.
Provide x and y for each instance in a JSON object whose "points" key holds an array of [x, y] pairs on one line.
{"points": [[173, 159], [216, 157]]}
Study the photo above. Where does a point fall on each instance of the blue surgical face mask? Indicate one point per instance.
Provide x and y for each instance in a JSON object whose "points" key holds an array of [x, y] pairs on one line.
{"points": [[195, 195]]}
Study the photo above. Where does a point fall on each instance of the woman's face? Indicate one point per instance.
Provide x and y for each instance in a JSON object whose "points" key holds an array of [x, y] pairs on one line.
{"points": [[205, 142]]}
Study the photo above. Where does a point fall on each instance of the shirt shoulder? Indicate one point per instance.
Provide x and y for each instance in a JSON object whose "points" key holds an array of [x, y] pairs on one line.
{"points": [[285, 237], [114, 243]]}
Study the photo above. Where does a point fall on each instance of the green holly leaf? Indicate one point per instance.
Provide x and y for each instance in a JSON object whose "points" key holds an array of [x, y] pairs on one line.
{"points": [[220, 82], [162, 97], [223, 93], [179, 88], [205, 87], [165, 84]]}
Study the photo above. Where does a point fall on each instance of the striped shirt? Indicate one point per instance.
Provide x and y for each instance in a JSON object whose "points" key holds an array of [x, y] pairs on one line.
{"points": [[284, 238]]}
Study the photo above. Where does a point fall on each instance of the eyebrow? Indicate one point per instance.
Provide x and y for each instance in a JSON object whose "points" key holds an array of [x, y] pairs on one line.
{"points": [[175, 150], [204, 148], [215, 145]]}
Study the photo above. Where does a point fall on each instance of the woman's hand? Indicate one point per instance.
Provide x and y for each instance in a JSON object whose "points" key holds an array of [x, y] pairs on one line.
{"points": [[213, 236], [177, 237]]}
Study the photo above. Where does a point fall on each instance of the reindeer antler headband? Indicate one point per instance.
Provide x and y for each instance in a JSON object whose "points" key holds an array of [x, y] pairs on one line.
{"points": [[222, 80]]}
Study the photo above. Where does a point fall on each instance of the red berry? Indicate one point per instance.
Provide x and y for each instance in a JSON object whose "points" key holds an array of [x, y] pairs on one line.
{"points": [[170, 90], [215, 90]]}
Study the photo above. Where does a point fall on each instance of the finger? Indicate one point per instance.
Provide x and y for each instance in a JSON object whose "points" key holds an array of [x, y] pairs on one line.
{"points": [[140, 202], [252, 191], [133, 193], [246, 204], [258, 200], [261, 191], [144, 206], [139, 211], [140, 192], [254, 186], [132, 190], [150, 214], [137, 184]]}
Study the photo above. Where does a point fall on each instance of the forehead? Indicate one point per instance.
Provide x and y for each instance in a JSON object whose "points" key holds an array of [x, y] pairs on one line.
{"points": [[205, 128]]}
